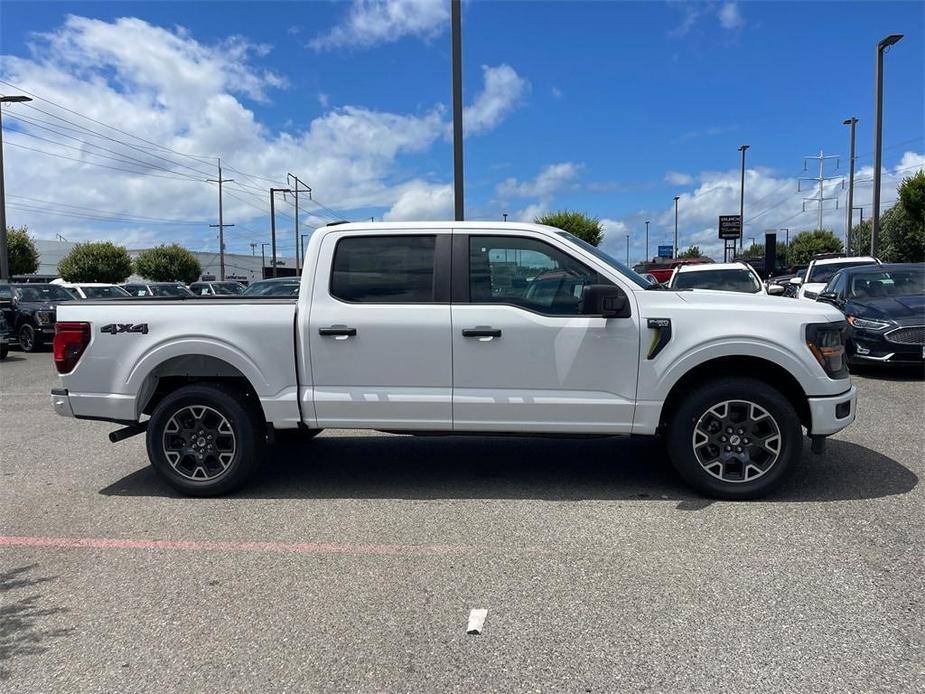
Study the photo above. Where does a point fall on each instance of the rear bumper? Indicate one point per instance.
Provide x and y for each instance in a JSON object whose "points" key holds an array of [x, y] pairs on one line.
{"points": [[61, 402], [99, 406], [832, 414]]}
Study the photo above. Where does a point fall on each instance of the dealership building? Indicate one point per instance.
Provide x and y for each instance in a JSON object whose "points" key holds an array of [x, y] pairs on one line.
{"points": [[242, 267]]}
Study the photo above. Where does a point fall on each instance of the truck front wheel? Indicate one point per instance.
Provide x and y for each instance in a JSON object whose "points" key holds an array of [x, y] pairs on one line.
{"points": [[735, 438], [205, 439]]}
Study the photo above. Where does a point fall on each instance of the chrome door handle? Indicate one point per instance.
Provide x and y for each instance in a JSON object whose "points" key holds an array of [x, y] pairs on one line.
{"points": [[481, 332]]}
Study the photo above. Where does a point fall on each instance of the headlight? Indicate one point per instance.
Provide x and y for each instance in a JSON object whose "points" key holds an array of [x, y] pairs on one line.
{"points": [[867, 324], [827, 343], [44, 317]]}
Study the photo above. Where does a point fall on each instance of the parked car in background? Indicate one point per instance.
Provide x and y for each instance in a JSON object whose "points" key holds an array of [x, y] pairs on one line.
{"points": [[92, 290], [279, 286], [821, 269], [165, 289], [4, 336], [30, 311], [216, 288], [885, 309], [724, 277], [663, 271]]}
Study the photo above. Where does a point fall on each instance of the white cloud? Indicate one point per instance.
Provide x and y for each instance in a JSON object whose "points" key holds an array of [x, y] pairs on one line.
{"points": [[552, 179], [371, 22], [504, 89], [730, 17], [678, 179], [421, 201], [194, 98], [556, 93]]}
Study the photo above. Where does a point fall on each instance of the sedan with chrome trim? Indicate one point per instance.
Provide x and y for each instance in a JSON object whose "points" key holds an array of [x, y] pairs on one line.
{"points": [[885, 309]]}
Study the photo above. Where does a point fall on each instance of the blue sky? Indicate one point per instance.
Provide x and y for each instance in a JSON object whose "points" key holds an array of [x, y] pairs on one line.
{"points": [[611, 108]]}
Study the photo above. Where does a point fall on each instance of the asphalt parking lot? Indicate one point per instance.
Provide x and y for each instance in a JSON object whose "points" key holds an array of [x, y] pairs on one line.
{"points": [[352, 563]]}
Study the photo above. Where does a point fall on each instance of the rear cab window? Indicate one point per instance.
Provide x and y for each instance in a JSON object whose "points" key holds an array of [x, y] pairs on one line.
{"points": [[388, 269]]}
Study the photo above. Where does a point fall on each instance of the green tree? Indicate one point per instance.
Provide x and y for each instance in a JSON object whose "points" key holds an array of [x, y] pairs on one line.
{"points": [[901, 238], [168, 263], [806, 244], [691, 252], [581, 225], [756, 250], [21, 253], [912, 196], [859, 239], [96, 262]]}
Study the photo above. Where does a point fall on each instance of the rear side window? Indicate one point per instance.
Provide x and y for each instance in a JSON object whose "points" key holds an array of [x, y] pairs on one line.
{"points": [[384, 269]]}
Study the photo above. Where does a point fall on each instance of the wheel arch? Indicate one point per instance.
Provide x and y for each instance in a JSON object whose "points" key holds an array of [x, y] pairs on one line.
{"points": [[757, 368]]}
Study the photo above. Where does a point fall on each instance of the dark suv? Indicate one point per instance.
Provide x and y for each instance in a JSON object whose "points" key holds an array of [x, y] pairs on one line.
{"points": [[30, 312]]}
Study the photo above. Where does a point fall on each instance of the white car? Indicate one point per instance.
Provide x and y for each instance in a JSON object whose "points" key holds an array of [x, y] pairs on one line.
{"points": [[724, 277], [92, 290], [461, 327], [821, 270]]}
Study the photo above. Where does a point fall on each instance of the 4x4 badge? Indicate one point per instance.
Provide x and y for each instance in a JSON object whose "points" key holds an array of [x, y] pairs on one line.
{"points": [[114, 328]]}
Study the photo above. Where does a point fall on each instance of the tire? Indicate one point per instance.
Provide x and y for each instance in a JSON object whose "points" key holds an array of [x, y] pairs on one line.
{"points": [[29, 339], [206, 439], [765, 428]]}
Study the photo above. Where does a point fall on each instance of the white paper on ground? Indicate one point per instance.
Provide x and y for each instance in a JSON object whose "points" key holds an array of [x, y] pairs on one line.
{"points": [[476, 621]]}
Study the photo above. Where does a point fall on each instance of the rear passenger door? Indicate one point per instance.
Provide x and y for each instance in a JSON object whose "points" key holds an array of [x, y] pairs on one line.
{"points": [[379, 331]]}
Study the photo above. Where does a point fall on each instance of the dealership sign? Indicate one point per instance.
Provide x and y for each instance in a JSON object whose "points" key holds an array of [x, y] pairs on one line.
{"points": [[665, 251]]}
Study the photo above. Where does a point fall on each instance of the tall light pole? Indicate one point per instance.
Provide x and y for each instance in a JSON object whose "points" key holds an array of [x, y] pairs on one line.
{"points": [[627, 250], [273, 192], [4, 250], [852, 122], [861, 224], [504, 214], [676, 198], [263, 259], [742, 149], [878, 137], [456, 20], [647, 240]]}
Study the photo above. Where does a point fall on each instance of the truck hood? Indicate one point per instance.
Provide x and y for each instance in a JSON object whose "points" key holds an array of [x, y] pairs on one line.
{"points": [[736, 302]]}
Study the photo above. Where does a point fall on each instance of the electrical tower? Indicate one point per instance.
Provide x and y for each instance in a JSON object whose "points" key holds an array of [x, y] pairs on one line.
{"points": [[820, 180], [221, 222]]}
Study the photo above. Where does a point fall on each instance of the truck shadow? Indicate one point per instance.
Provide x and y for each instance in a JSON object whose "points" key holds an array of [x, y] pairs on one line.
{"points": [[403, 467], [22, 615]]}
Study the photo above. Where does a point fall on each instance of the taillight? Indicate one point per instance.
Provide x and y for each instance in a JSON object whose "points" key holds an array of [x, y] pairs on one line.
{"points": [[71, 339]]}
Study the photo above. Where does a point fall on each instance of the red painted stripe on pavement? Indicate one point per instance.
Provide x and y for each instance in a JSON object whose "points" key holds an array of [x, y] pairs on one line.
{"points": [[206, 545]]}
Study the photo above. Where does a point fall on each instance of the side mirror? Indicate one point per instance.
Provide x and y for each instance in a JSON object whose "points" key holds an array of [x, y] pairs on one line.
{"points": [[775, 290], [829, 298], [797, 281], [604, 300]]}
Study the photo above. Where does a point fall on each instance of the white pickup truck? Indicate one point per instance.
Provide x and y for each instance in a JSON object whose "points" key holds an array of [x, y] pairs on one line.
{"points": [[462, 328]]}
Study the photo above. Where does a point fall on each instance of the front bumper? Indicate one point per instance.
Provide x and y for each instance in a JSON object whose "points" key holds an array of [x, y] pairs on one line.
{"points": [[831, 414], [872, 347]]}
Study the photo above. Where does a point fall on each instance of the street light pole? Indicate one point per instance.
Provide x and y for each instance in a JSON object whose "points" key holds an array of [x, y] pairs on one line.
{"points": [[852, 122], [4, 247], [456, 30], [742, 149], [878, 137], [676, 198], [627, 250], [647, 240]]}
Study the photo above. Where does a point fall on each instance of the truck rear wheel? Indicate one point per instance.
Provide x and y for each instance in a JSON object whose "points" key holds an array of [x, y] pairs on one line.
{"points": [[205, 439], [735, 438]]}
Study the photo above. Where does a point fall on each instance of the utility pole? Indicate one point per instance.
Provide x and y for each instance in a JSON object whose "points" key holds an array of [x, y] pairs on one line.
{"points": [[273, 192], [742, 149], [647, 240], [820, 180], [263, 260], [253, 248], [878, 137], [221, 222], [4, 248], [676, 198], [456, 11], [627, 250], [861, 223], [853, 123], [295, 194]]}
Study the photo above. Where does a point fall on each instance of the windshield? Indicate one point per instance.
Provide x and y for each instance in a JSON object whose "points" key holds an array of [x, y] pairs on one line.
{"points": [[273, 289], [885, 283], [607, 259], [42, 292], [731, 280], [169, 290], [823, 273], [103, 292], [227, 288]]}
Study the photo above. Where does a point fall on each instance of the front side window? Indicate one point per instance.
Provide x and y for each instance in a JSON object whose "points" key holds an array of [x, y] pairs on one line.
{"points": [[528, 273], [384, 269], [743, 281], [169, 290]]}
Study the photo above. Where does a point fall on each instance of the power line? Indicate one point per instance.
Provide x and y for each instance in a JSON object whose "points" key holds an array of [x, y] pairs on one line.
{"points": [[95, 210]]}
